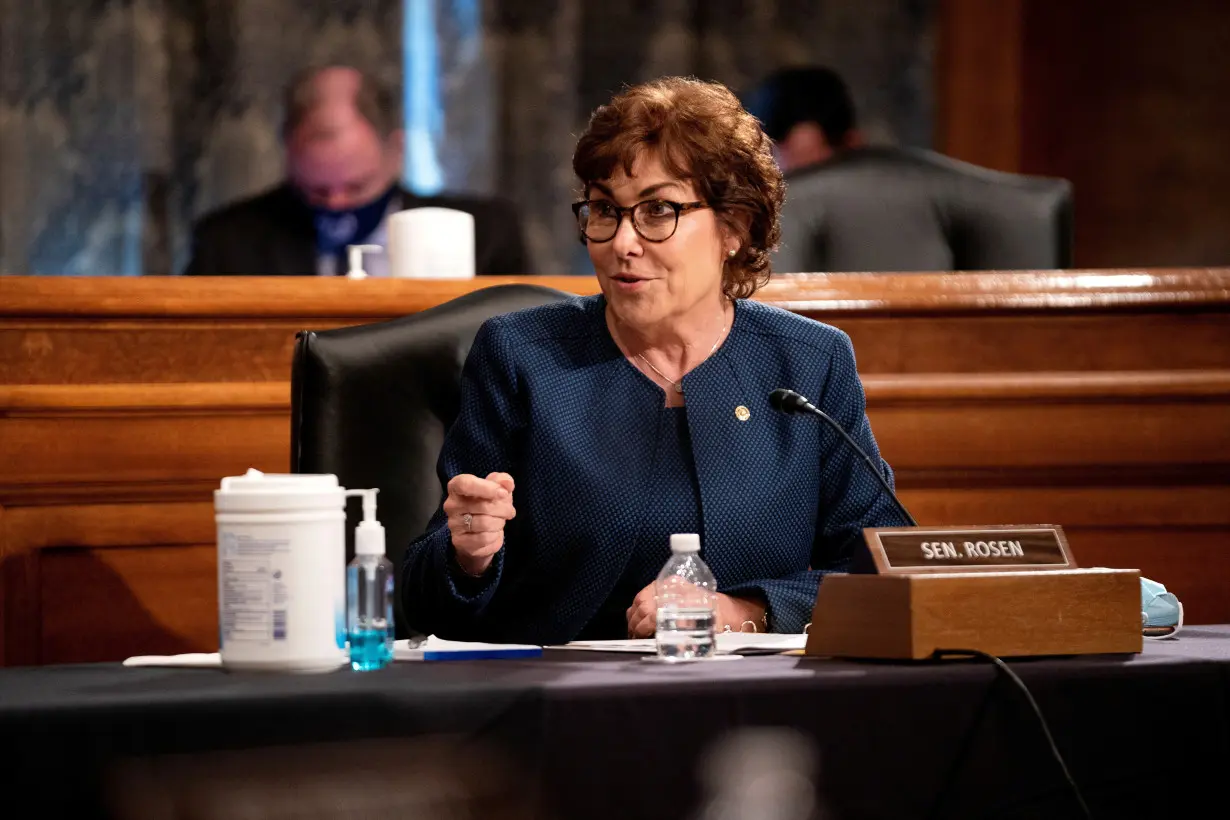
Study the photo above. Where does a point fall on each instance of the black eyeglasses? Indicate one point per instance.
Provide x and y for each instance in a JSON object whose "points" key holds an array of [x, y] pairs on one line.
{"points": [[655, 220]]}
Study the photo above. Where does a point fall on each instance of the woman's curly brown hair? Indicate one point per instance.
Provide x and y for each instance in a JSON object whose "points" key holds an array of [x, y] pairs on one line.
{"points": [[703, 135]]}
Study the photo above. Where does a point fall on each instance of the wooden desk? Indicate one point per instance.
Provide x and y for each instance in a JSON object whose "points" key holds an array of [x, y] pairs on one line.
{"points": [[1098, 400]]}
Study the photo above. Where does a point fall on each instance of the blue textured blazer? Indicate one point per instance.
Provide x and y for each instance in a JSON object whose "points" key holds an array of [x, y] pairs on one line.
{"points": [[547, 397]]}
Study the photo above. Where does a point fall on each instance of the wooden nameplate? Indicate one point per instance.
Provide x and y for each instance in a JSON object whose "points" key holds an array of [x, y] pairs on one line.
{"points": [[1006, 591]]}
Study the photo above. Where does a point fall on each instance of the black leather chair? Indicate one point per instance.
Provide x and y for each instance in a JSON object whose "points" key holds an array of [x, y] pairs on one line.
{"points": [[896, 209], [371, 404]]}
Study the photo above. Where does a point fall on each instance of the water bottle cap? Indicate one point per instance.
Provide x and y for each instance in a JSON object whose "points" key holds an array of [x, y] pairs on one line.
{"points": [[685, 542]]}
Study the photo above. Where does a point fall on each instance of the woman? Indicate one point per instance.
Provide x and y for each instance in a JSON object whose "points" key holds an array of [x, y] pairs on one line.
{"points": [[616, 420]]}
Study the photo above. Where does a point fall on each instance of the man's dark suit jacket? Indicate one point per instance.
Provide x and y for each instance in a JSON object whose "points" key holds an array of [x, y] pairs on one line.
{"points": [[271, 234]]}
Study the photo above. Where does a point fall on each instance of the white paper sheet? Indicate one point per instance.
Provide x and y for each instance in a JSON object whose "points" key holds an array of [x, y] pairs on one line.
{"points": [[638, 646], [727, 643], [434, 648], [196, 660]]}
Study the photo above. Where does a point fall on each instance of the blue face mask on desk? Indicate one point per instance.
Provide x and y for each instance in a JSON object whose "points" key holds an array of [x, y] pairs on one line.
{"points": [[1161, 614]]}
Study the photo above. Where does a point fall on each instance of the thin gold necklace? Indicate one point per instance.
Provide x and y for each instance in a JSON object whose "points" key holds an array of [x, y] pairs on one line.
{"points": [[678, 385]]}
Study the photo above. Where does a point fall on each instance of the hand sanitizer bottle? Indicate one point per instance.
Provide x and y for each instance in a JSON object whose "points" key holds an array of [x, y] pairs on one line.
{"points": [[369, 592]]}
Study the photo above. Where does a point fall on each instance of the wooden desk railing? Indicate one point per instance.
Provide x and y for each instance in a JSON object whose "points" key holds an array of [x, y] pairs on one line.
{"points": [[1098, 400]]}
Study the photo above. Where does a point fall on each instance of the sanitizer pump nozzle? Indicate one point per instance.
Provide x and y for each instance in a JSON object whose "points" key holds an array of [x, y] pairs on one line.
{"points": [[369, 535], [354, 254]]}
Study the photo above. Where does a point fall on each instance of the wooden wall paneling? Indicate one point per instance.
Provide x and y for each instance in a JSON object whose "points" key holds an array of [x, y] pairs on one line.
{"points": [[1091, 399], [1036, 341], [1037, 419], [1124, 98], [978, 81], [65, 435], [907, 342], [1108, 505], [1131, 290], [11, 581], [1192, 562], [1127, 100], [1058, 51], [83, 449], [1067, 437], [1120, 460], [265, 299], [156, 591], [111, 603], [37, 351], [1175, 533], [166, 300]]}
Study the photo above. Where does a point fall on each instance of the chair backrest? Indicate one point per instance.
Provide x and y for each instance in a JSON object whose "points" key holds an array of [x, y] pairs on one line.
{"points": [[371, 404], [896, 209]]}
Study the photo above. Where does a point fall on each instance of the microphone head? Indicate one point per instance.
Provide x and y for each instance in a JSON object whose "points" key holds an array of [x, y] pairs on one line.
{"points": [[787, 401]]}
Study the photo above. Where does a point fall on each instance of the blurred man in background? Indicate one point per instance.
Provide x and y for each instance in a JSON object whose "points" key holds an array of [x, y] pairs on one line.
{"points": [[808, 113], [343, 161]]}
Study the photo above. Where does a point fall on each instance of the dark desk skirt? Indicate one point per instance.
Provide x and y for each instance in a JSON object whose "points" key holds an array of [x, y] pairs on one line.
{"points": [[584, 735]]}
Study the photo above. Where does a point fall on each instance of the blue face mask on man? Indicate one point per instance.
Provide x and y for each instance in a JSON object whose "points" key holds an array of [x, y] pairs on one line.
{"points": [[335, 229]]}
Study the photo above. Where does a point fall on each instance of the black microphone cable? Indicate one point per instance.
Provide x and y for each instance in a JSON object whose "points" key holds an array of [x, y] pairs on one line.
{"points": [[788, 401], [1006, 670]]}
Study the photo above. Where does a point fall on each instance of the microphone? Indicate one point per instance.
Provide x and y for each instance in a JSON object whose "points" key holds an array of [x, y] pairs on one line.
{"points": [[788, 401]]}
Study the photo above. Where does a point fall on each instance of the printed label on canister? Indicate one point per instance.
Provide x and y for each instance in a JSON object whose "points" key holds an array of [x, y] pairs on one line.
{"points": [[255, 593]]}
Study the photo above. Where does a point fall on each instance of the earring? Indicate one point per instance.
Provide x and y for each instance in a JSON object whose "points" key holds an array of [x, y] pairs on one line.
{"points": [[731, 253]]}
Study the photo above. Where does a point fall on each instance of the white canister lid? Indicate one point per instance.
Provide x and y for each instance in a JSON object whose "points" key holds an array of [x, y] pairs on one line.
{"points": [[431, 243], [255, 491]]}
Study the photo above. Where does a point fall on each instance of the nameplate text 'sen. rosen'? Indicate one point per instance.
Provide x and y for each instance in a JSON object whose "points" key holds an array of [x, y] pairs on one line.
{"points": [[997, 548]]}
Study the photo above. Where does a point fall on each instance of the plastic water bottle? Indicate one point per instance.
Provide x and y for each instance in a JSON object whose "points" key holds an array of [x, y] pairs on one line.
{"points": [[369, 593], [687, 598]]}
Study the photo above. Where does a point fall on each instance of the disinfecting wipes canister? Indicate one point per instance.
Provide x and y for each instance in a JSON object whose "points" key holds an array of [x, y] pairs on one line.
{"points": [[281, 572]]}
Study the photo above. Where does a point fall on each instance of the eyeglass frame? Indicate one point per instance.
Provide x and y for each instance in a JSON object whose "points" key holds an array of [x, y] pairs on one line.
{"points": [[679, 208]]}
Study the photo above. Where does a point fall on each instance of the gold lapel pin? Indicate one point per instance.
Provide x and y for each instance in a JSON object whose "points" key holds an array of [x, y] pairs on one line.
{"points": [[742, 413]]}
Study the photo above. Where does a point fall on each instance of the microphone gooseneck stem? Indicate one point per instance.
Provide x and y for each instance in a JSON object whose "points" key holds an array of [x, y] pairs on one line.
{"points": [[788, 400]]}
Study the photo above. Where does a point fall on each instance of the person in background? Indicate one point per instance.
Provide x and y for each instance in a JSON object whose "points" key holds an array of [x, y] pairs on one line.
{"points": [[808, 113], [343, 160], [591, 429]]}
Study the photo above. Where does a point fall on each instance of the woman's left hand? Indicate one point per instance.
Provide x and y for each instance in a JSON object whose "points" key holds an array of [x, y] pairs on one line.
{"points": [[732, 612]]}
